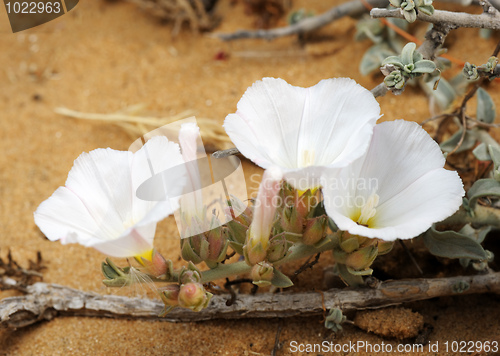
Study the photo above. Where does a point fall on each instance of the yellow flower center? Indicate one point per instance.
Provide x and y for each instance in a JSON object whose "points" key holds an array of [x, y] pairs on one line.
{"points": [[308, 158], [367, 211], [148, 255]]}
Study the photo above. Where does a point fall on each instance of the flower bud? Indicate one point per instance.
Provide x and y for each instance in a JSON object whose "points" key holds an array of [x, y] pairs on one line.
{"points": [[362, 259], [217, 246], [239, 217], [314, 230], [290, 220], [278, 248], [209, 246], [254, 253], [170, 294], [193, 296], [190, 275], [158, 266], [305, 202], [470, 71], [350, 245], [262, 273]]}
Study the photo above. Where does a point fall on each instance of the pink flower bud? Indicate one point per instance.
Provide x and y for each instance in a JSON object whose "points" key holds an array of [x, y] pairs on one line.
{"points": [[193, 296], [263, 214]]}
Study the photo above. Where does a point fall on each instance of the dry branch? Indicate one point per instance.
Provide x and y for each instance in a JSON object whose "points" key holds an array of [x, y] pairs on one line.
{"points": [[351, 8], [45, 301], [212, 132], [451, 19]]}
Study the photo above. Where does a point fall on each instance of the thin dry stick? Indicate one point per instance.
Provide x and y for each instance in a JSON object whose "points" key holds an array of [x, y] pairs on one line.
{"points": [[136, 125], [351, 8], [46, 301]]}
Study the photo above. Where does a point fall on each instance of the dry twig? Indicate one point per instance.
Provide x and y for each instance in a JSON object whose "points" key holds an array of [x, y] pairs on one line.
{"points": [[45, 301], [351, 8], [212, 132]]}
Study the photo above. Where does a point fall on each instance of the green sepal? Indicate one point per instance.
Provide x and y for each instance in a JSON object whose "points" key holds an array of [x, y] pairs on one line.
{"points": [[188, 253], [352, 280], [365, 272], [280, 280]]}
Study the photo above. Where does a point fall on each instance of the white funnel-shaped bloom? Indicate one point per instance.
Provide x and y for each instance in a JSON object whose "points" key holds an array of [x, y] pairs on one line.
{"points": [[98, 207], [398, 189], [303, 130]]}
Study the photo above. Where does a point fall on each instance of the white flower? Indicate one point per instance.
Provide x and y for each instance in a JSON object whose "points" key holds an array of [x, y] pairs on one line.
{"points": [[98, 206], [303, 130], [397, 190]]}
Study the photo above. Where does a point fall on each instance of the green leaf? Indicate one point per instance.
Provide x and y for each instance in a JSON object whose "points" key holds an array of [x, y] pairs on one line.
{"points": [[394, 60], [482, 188], [481, 152], [373, 57], [494, 152], [407, 52], [485, 107], [424, 66], [428, 10], [451, 244], [395, 3], [280, 280], [485, 33], [451, 143], [410, 16]]}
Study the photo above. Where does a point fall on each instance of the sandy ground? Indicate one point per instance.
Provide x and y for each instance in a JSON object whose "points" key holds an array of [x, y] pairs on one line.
{"points": [[103, 57]]}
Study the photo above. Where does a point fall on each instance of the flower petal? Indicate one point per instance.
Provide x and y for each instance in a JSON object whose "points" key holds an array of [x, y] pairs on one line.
{"points": [[133, 242], [400, 152], [160, 158], [404, 167], [329, 124], [64, 217], [99, 179], [267, 122], [430, 199]]}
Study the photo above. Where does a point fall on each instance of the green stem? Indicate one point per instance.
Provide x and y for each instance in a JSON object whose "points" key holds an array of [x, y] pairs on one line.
{"points": [[296, 252]]}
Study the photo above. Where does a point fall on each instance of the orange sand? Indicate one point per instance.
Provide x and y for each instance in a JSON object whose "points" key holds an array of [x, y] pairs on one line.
{"points": [[105, 56]]}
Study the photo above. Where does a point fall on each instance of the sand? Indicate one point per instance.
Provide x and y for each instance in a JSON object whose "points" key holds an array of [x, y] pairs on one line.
{"points": [[105, 56]]}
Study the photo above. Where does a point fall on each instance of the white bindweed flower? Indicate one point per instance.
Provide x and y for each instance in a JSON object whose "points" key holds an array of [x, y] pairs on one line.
{"points": [[98, 206], [397, 190], [303, 130]]}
